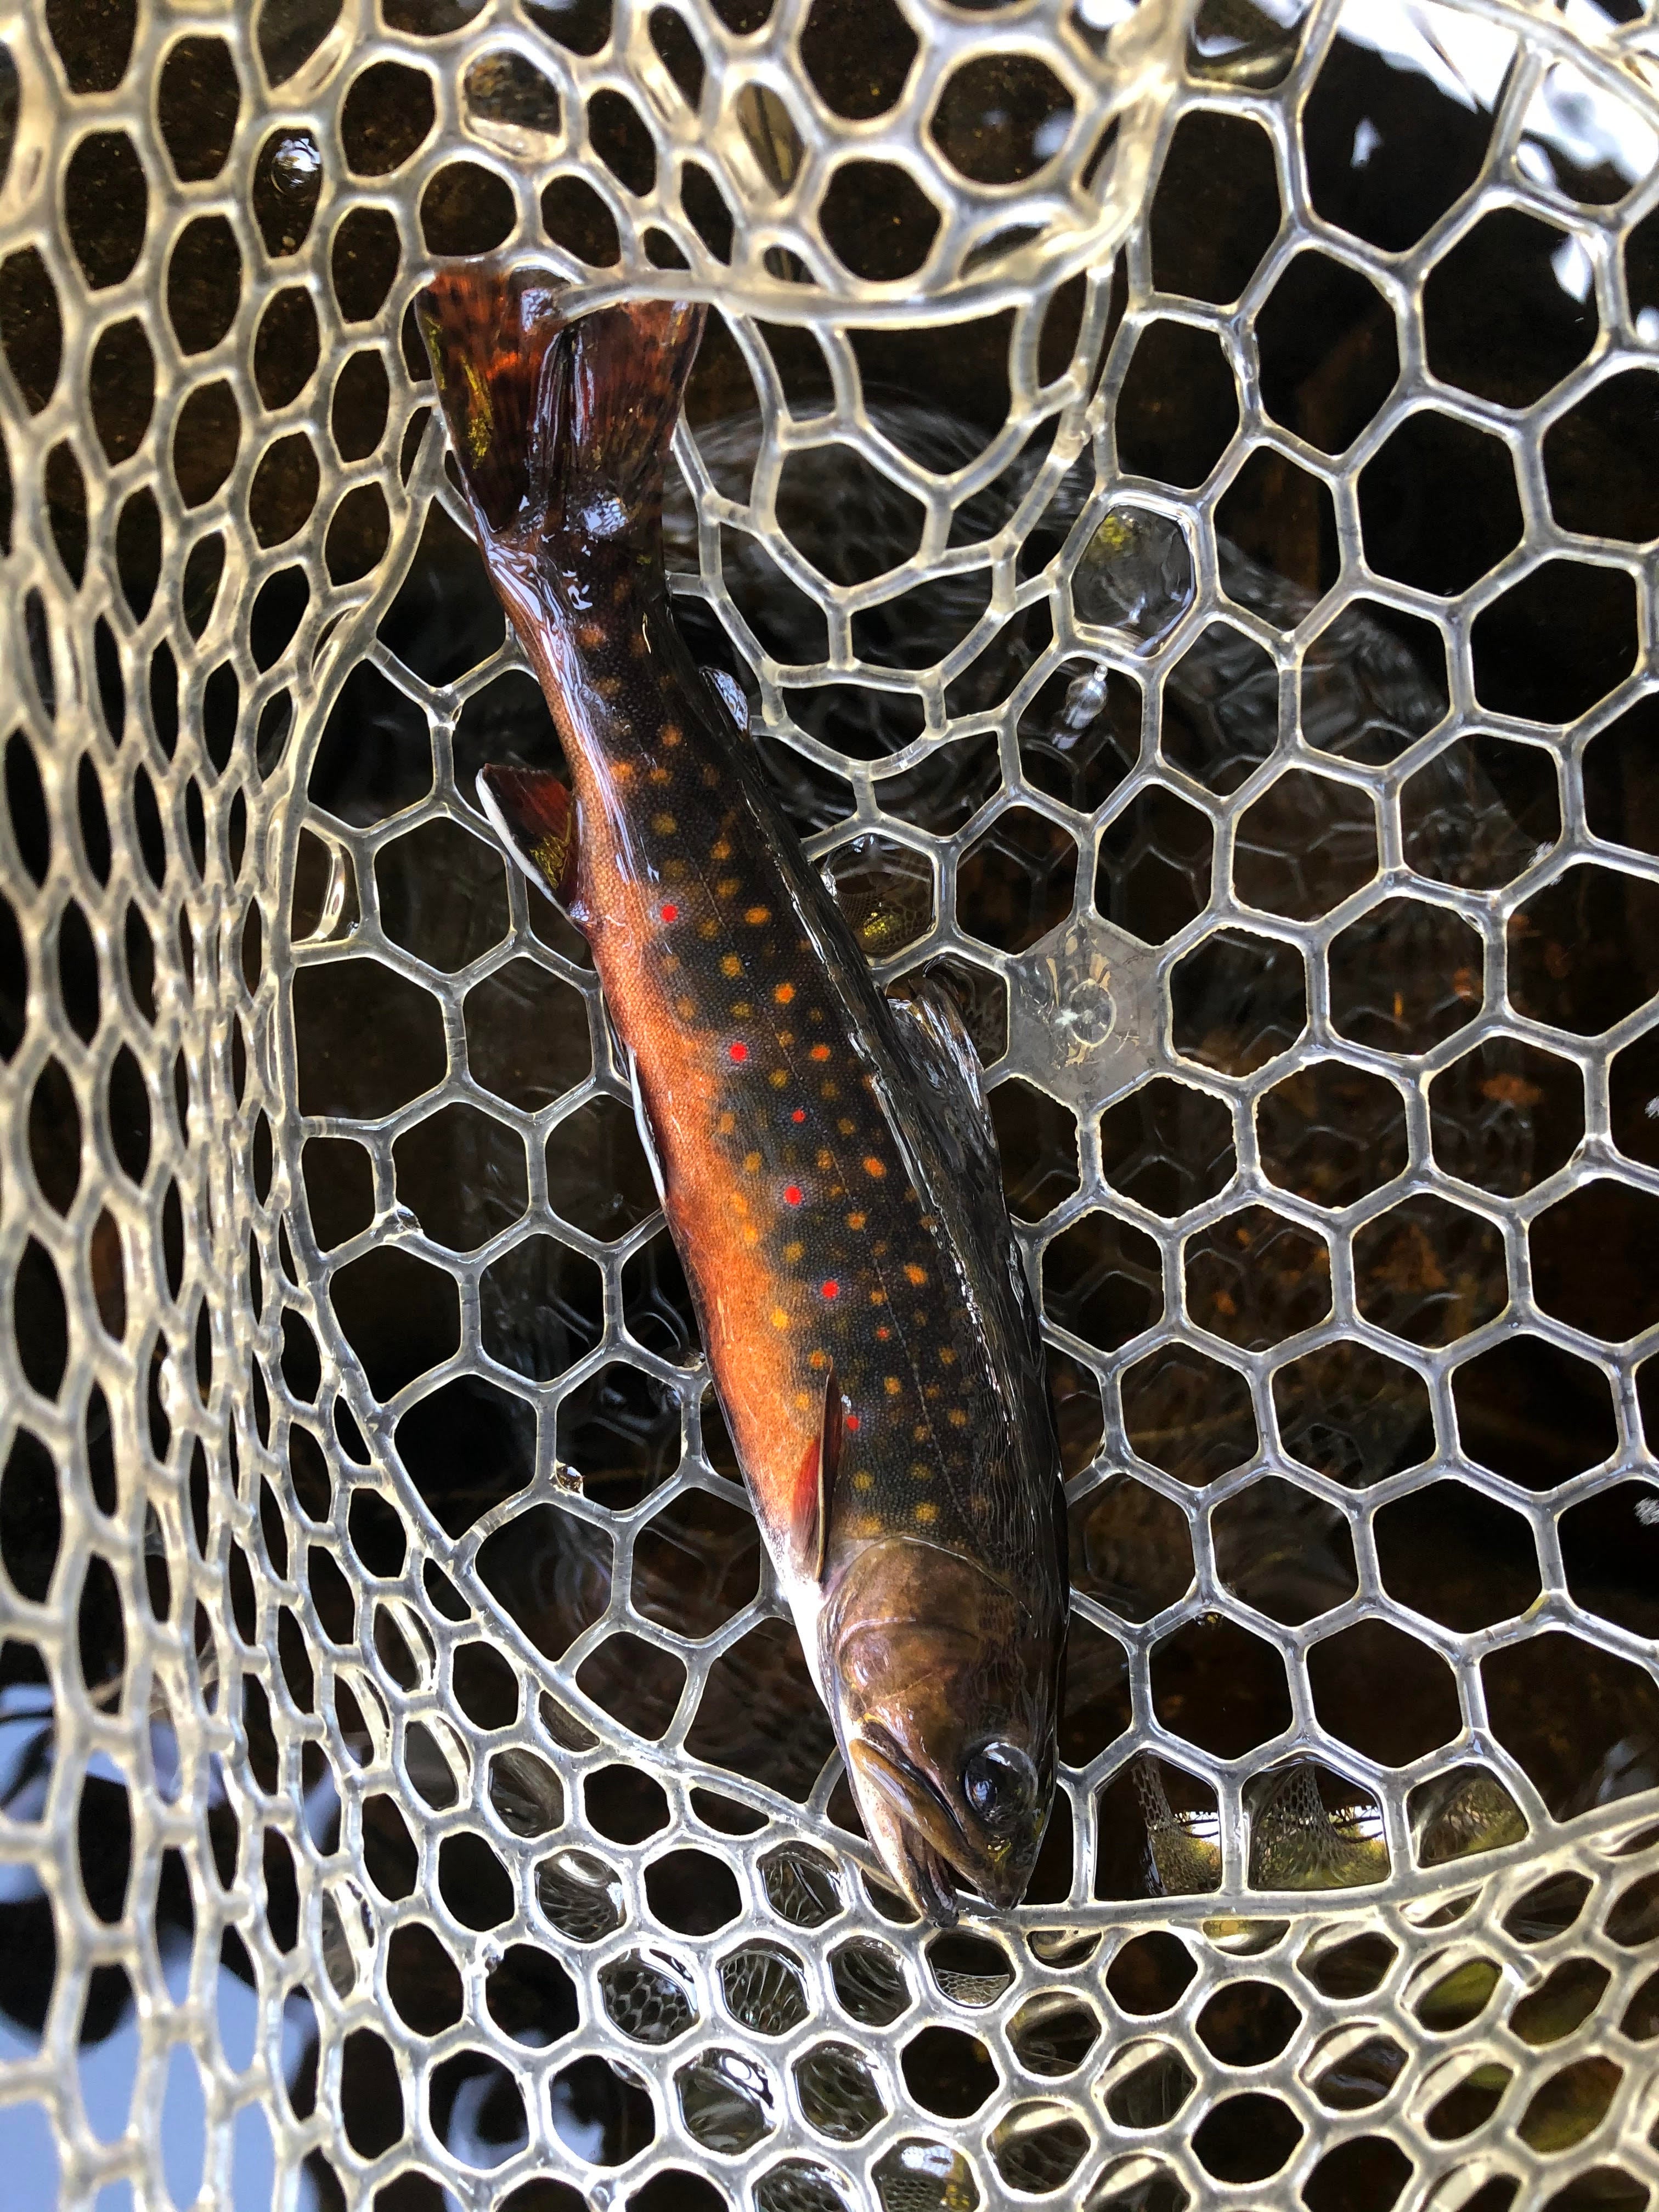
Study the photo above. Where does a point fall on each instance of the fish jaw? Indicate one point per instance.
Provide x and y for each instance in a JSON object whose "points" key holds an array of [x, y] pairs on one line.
{"points": [[927, 1664], [921, 1842], [921, 1872]]}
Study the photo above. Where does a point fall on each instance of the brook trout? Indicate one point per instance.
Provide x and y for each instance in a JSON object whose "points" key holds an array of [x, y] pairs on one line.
{"points": [[822, 1151]]}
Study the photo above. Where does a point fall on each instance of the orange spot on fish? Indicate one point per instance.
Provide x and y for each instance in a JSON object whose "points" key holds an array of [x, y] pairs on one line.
{"points": [[784, 994], [872, 1166], [820, 1052], [755, 915], [915, 1274]]}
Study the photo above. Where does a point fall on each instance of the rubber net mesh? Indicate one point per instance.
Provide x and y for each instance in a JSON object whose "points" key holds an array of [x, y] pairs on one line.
{"points": [[1172, 489]]}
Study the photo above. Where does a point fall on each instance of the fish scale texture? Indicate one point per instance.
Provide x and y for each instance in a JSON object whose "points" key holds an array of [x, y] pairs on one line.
{"points": [[411, 1794]]}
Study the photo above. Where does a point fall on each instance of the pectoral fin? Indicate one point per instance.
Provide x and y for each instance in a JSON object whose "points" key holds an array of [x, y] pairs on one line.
{"points": [[815, 1487], [533, 813]]}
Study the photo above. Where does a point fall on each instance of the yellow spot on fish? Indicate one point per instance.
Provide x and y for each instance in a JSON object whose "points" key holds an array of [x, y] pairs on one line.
{"points": [[670, 733], [947, 1356], [914, 1273], [755, 915], [751, 1163], [591, 635], [740, 1007], [623, 772], [864, 1479], [856, 1220], [786, 1037], [660, 775], [709, 929], [711, 776], [784, 994], [919, 1470], [918, 1434], [803, 1400], [826, 1159], [664, 824], [778, 1078], [794, 1251], [892, 1386], [608, 687], [726, 886], [721, 849], [845, 1125], [727, 1123], [685, 1006], [927, 1511], [878, 1298], [673, 869], [780, 1319], [958, 1418]]}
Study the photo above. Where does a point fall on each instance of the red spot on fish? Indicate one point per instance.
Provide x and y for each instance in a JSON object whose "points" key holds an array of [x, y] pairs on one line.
{"points": [[792, 1196], [883, 1333], [799, 1114], [831, 1288], [740, 1051], [670, 912], [852, 1420]]}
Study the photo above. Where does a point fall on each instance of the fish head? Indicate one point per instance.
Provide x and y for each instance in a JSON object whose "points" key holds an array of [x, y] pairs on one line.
{"points": [[943, 1687]]}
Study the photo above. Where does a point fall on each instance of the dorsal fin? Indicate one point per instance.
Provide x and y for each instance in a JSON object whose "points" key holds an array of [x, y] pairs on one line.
{"points": [[815, 1486], [943, 1054], [532, 811], [948, 1073], [728, 690]]}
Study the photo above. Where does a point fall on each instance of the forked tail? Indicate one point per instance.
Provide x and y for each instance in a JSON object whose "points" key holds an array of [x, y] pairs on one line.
{"points": [[558, 425]]}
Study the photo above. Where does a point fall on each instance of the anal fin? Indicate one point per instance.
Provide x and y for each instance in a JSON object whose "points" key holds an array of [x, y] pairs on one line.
{"points": [[533, 814], [647, 1134]]}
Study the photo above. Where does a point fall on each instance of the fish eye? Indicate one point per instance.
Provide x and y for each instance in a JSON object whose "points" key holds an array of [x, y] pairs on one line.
{"points": [[1000, 1784]]}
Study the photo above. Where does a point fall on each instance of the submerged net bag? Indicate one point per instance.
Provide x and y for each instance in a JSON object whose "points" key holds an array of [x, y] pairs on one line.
{"points": [[1173, 487]]}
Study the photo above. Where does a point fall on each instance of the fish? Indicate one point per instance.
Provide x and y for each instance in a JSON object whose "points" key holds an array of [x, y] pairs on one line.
{"points": [[822, 1148]]}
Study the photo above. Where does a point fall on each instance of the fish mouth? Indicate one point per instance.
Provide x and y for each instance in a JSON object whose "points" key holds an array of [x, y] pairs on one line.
{"points": [[919, 1836]]}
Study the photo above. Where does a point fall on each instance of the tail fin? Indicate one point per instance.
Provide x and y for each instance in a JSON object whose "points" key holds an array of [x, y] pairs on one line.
{"points": [[547, 415]]}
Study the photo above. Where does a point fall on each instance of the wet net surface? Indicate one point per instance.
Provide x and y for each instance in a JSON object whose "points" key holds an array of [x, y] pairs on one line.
{"points": [[1228, 650]]}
